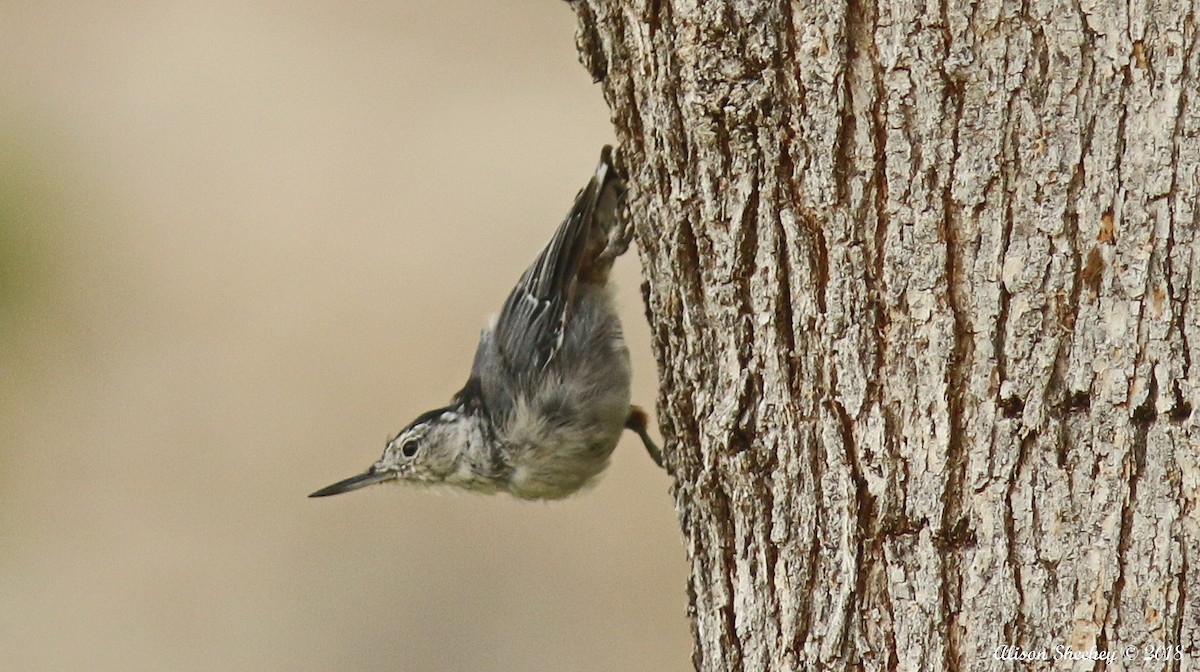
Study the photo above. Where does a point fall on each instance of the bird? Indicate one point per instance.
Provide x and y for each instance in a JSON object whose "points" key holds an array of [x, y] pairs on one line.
{"points": [[548, 395]]}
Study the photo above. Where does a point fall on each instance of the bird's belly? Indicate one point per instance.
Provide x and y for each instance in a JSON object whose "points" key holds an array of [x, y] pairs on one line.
{"points": [[555, 472], [559, 438], [550, 460]]}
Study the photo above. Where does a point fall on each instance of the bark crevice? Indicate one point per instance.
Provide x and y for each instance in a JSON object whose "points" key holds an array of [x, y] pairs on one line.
{"points": [[920, 296]]}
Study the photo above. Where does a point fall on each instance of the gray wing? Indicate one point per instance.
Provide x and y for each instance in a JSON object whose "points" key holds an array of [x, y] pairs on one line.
{"points": [[530, 326], [529, 329]]}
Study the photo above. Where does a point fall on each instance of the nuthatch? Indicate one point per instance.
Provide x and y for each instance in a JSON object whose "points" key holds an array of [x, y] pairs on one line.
{"points": [[548, 395]]}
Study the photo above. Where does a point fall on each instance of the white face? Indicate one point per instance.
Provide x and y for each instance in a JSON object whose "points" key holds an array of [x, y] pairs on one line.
{"points": [[428, 450]]}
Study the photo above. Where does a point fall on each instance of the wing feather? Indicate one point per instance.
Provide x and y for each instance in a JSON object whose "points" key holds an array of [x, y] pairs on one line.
{"points": [[524, 338], [529, 329]]}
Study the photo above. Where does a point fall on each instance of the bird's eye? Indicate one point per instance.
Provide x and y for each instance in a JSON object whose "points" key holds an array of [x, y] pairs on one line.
{"points": [[409, 448]]}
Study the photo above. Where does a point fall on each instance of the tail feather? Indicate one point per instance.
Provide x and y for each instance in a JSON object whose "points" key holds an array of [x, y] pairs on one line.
{"points": [[609, 237]]}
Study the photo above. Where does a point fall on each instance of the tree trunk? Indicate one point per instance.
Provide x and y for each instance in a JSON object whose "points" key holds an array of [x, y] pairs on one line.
{"points": [[923, 284]]}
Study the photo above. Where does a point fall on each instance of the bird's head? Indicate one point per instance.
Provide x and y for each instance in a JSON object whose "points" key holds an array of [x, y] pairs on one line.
{"points": [[429, 450]]}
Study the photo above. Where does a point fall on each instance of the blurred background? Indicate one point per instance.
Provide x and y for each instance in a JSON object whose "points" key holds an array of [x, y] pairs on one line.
{"points": [[242, 243]]}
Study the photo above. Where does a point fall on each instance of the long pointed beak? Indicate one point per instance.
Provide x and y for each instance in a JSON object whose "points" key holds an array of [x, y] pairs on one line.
{"points": [[368, 477]]}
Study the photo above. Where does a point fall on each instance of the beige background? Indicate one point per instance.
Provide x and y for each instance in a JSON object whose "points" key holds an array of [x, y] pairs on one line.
{"points": [[240, 244]]}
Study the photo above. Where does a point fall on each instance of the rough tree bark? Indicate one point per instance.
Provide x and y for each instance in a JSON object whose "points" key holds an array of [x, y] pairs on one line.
{"points": [[923, 282]]}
